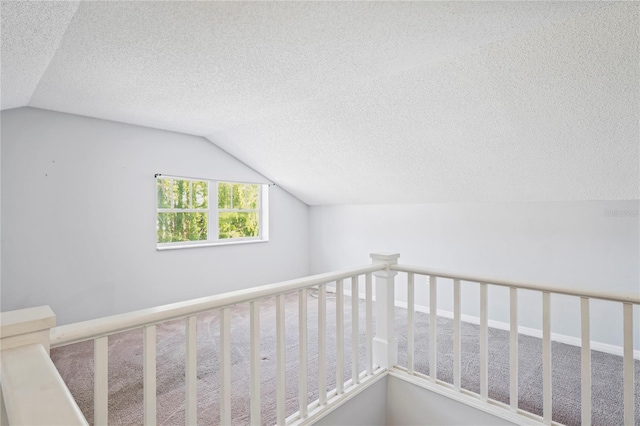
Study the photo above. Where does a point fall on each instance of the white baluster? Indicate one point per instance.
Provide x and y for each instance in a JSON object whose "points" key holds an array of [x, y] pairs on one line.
{"points": [[302, 353], [627, 313], [355, 332], [457, 346], [101, 381], [586, 361], [225, 366], [149, 374], [191, 378], [255, 361], [369, 321], [546, 358], [484, 342], [281, 361], [322, 343], [339, 338], [513, 349], [433, 329], [410, 321]]}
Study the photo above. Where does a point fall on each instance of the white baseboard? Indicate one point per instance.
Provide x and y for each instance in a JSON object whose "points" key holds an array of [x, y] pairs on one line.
{"points": [[533, 332]]}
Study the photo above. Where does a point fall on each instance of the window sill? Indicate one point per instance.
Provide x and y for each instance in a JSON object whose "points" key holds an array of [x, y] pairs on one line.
{"points": [[189, 246]]}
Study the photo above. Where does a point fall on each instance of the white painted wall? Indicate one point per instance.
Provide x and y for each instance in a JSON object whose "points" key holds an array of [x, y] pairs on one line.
{"points": [[394, 401], [368, 408], [574, 244], [78, 231], [408, 404], [1, 410], [78, 219]]}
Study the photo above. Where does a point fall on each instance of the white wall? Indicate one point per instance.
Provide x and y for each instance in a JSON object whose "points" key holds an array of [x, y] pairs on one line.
{"points": [[408, 404], [0, 218], [78, 219], [368, 408], [394, 401], [78, 231], [574, 244]]}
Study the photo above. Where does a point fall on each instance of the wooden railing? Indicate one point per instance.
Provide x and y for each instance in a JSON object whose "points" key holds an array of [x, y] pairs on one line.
{"points": [[98, 330], [31, 332], [33, 392], [545, 291]]}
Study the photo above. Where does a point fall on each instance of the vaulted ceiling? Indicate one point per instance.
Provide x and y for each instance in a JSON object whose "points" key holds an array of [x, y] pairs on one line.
{"points": [[357, 102]]}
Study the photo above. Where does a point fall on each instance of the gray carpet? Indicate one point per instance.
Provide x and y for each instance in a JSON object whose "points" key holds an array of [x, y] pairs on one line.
{"points": [[75, 363], [607, 377]]}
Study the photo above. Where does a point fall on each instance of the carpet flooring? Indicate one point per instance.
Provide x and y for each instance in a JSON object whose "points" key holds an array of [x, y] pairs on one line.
{"points": [[75, 363]]}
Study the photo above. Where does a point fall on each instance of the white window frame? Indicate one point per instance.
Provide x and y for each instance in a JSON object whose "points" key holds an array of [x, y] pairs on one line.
{"points": [[213, 230]]}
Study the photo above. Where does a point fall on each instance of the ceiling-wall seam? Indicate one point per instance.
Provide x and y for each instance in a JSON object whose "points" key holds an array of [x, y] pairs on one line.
{"points": [[64, 34], [208, 139]]}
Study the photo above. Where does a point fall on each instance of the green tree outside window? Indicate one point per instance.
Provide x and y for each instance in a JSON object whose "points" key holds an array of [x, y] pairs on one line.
{"points": [[183, 210]]}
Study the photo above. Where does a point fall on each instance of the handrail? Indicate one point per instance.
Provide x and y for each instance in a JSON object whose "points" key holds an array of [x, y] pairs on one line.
{"points": [[77, 332], [382, 351], [33, 390], [614, 297], [626, 299]]}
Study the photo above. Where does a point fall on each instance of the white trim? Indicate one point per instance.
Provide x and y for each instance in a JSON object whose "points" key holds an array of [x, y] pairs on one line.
{"points": [[178, 246], [183, 210], [163, 176], [264, 214], [527, 331], [85, 330], [569, 291]]}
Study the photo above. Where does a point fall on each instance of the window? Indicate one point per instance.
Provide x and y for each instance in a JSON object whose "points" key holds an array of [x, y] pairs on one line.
{"points": [[196, 212]]}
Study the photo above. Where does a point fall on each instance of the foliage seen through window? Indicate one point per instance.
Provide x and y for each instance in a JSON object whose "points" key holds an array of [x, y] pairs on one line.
{"points": [[186, 211]]}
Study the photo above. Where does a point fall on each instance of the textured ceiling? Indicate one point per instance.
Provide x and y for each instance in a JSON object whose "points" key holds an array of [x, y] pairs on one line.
{"points": [[357, 102], [31, 33]]}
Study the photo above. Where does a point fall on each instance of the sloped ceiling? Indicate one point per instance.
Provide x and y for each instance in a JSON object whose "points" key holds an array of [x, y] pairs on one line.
{"points": [[31, 33], [357, 102]]}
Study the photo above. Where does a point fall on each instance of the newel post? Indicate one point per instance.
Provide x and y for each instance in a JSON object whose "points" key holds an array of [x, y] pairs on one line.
{"points": [[385, 344], [22, 328], [26, 327], [33, 393]]}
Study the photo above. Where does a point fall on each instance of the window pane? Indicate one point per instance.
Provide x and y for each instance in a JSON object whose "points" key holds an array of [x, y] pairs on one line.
{"points": [[174, 227], [253, 196], [238, 200], [224, 196], [200, 194], [238, 225], [164, 193], [182, 194]]}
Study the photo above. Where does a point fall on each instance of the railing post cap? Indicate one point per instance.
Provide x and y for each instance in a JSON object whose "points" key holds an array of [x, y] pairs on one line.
{"points": [[385, 257], [23, 321]]}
